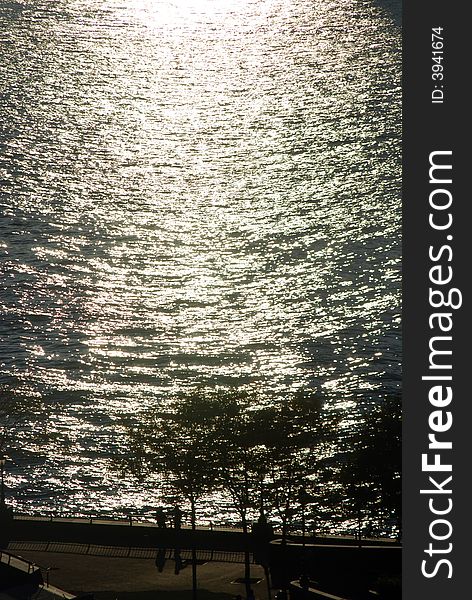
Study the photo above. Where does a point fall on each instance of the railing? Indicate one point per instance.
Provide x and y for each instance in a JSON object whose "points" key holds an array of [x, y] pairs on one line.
{"points": [[135, 521], [129, 521], [226, 556], [18, 562], [29, 567]]}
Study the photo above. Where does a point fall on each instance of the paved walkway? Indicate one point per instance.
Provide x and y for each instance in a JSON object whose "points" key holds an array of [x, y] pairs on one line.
{"points": [[138, 579]]}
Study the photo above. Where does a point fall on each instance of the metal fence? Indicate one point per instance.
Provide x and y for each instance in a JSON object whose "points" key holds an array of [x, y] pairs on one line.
{"points": [[18, 562], [225, 556]]}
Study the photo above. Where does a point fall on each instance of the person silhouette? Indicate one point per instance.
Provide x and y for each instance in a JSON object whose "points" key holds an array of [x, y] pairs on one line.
{"points": [[161, 559], [161, 518], [178, 561], [177, 516]]}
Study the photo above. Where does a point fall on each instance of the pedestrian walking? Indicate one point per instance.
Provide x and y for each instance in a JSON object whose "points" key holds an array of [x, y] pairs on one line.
{"points": [[177, 517], [161, 518]]}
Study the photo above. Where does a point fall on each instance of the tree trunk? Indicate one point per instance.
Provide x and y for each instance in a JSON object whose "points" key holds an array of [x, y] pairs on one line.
{"points": [[194, 553], [284, 530], [267, 576], [359, 526], [247, 563]]}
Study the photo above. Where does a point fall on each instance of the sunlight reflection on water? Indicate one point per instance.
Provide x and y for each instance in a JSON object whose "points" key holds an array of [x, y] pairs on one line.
{"points": [[194, 192]]}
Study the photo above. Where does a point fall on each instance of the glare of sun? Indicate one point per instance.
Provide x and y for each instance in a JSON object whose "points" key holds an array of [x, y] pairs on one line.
{"points": [[164, 11]]}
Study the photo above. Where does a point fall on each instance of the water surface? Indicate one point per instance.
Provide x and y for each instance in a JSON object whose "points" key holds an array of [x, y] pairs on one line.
{"points": [[195, 192]]}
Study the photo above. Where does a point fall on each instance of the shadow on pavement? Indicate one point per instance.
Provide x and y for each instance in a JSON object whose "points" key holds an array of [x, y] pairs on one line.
{"points": [[162, 595]]}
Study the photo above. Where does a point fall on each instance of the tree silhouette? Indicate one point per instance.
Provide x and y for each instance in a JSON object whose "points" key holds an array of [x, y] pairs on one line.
{"points": [[240, 458], [371, 472], [176, 442], [299, 434], [262, 457]]}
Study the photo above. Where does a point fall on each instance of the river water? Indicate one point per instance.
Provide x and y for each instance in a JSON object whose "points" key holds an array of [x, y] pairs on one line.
{"points": [[193, 192]]}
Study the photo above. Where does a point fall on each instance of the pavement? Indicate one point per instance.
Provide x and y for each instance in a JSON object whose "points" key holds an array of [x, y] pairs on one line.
{"points": [[138, 579]]}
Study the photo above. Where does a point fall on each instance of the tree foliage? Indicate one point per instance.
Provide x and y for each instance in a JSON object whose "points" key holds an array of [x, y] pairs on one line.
{"points": [[261, 456], [371, 472], [174, 442]]}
